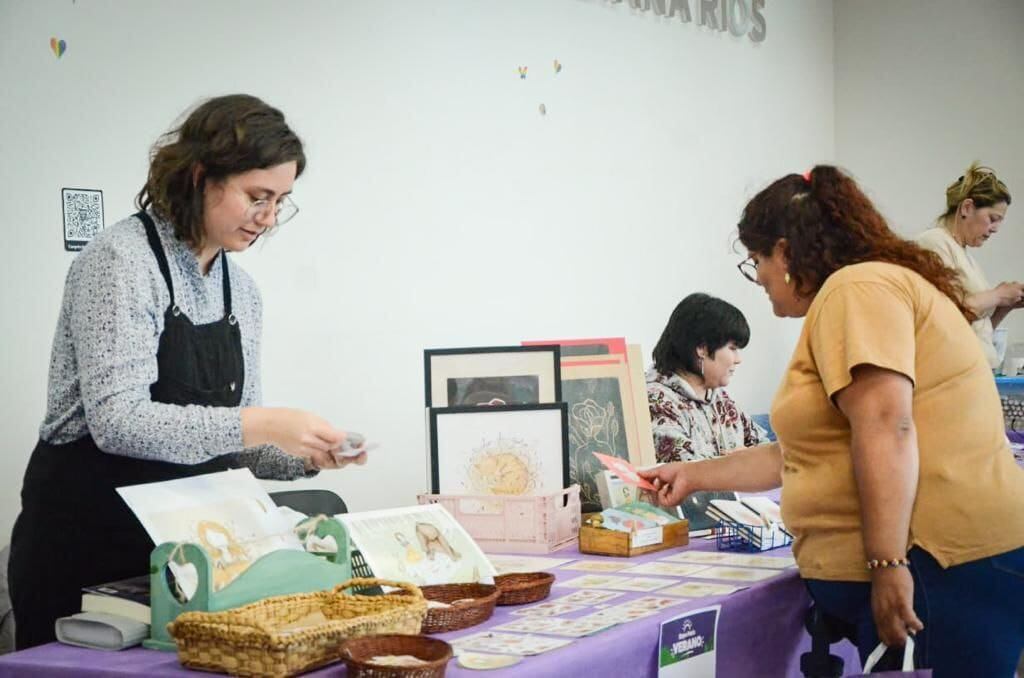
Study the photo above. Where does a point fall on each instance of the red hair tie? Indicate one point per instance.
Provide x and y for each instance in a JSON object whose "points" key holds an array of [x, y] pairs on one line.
{"points": [[807, 176]]}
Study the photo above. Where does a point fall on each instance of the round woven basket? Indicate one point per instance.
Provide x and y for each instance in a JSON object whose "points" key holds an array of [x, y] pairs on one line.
{"points": [[519, 588], [469, 605], [357, 653]]}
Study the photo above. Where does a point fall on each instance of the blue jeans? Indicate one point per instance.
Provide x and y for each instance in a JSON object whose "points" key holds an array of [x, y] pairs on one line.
{"points": [[973, 614]]}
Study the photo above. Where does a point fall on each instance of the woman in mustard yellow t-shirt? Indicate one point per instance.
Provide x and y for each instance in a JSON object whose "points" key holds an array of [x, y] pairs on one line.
{"points": [[898, 485]]}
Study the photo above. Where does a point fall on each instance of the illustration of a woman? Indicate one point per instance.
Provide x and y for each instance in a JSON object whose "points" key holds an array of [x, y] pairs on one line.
{"points": [[432, 541]]}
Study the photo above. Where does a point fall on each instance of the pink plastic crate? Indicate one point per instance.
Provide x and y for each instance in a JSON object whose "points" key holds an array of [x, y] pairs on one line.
{"points": [[516, 524]]}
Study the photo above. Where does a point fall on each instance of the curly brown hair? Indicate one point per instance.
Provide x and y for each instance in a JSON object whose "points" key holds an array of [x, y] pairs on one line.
{"points": [[828, 223], [223, 136]]}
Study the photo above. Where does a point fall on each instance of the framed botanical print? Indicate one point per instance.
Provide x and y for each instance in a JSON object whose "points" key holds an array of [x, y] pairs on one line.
{"points": [[499, 450], [492, 375]]}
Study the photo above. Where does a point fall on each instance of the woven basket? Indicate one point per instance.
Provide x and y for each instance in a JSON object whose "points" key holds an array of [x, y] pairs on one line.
{"points": [[357, 652], [519, 588], [253, 640], [470, 604]]}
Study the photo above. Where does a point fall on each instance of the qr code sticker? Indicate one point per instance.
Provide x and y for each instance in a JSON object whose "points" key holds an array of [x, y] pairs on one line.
{"points": [[83, 216]]}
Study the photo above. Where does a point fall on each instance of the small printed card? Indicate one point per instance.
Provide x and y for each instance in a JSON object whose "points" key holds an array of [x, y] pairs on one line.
{"points": [[551, 608], [692, 589], [592, 581], [508, 643], [589, 597], [745, 574], [666, 569], [769, 562], [575, 628], [596, 566], [624, 470], [641, 584], [703, 557], [504, 564]]}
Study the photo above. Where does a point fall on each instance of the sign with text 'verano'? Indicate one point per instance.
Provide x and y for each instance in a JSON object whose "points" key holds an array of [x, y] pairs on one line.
{"points": [[688, 644]]}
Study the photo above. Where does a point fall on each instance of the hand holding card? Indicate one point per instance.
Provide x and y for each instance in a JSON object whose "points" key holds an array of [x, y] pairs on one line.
{"points": [[624, 470]]}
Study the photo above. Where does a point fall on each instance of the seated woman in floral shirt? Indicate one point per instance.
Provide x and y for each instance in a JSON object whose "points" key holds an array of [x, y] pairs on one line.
{"points": [[691, 414]]}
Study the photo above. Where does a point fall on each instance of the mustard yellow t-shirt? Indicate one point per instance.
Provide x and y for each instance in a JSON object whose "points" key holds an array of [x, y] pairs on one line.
{"points": [[970, 492]]}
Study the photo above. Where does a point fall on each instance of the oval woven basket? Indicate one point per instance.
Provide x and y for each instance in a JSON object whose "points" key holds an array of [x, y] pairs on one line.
{"points": [[357, 653], [287, 635], [519, 588], [468, 605]]}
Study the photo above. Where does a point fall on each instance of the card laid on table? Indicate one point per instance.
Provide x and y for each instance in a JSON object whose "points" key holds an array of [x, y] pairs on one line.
{"points": [[549, 608], [504, 564], [692, 589], [508, 643], [592, 581], [666, 569], [595, 566], [768, 562], [641, 584], [576, 628], [589, 597], [747, 574], [703, 557]]}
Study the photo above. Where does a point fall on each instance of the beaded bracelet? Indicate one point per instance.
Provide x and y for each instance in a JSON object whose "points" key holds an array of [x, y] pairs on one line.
{"points": [[895, 562]]}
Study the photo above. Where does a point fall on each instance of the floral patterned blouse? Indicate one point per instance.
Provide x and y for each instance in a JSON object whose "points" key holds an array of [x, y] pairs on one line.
{"points": [[687, 428]]}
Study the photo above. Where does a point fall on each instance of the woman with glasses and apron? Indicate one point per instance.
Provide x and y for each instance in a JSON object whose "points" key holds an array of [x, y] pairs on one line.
{"points": [[154, 373]]}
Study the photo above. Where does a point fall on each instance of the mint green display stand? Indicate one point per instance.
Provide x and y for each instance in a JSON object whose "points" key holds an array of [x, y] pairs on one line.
{"points": [[275, 574]]}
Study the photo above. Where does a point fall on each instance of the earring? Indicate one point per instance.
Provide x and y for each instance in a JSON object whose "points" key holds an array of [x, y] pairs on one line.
{"points": [[700, 365], [787, 278]]}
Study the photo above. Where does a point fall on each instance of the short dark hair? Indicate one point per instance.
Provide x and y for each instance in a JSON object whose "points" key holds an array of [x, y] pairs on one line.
{"points": [[225, 135], [698, 320]]}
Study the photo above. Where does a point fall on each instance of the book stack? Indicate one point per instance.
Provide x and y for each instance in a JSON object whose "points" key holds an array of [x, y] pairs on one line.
{"points": [[114, 616], [126, 598], [748, 524]]}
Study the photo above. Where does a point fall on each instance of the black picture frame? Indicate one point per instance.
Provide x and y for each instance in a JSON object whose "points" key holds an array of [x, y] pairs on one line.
{"points": [[429, 373], [435, 412]]}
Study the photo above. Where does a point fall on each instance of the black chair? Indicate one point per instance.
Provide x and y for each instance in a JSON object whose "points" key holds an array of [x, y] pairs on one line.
{"points": [[824, 630], [311, 502], [315, 502]]}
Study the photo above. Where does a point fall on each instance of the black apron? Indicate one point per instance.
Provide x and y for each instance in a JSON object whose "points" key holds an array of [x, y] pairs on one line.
{"points": [[74, 530]]}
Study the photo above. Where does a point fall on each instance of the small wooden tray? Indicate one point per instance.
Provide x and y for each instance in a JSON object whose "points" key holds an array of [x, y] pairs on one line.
{"points": [[604, 542]]}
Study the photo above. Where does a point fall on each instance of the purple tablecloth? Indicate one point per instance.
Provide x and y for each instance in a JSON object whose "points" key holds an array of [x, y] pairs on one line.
{"points": [[760, 633]]}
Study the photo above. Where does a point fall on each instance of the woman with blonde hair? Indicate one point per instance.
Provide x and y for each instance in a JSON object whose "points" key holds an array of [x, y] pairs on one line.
{"points": [[976, 206]]}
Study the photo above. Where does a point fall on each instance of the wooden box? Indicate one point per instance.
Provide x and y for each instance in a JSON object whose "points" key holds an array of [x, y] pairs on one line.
{"points": [[604, 542]]}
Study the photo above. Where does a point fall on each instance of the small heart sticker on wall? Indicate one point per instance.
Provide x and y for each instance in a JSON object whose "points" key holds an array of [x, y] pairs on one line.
{"points": [[58, 46]]}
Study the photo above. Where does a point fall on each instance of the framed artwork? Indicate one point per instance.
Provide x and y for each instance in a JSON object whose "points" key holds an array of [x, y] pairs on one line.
{"points": [[586, 347], [601, 419], [492, 375], [423, 545], [641, 408], [499, 450]]}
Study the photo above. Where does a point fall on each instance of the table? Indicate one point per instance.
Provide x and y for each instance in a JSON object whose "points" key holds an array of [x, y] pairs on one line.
{"points": [[760, 633]]}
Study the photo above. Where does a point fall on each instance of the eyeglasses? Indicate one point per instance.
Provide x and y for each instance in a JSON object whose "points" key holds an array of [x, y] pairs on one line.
{"points": [[283, 210], [748, 267]]}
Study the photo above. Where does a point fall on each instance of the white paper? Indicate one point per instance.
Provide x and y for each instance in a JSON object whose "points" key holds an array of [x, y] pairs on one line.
{"points": [[228, 514]]}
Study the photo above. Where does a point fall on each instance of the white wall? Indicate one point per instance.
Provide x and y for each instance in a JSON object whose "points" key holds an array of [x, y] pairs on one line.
{"points": [[923, 88], [439, 207]]}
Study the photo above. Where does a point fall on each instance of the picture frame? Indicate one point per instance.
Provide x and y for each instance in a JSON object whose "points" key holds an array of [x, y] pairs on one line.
{"points": [[499, 450], [601, 419], [492, 375]]}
